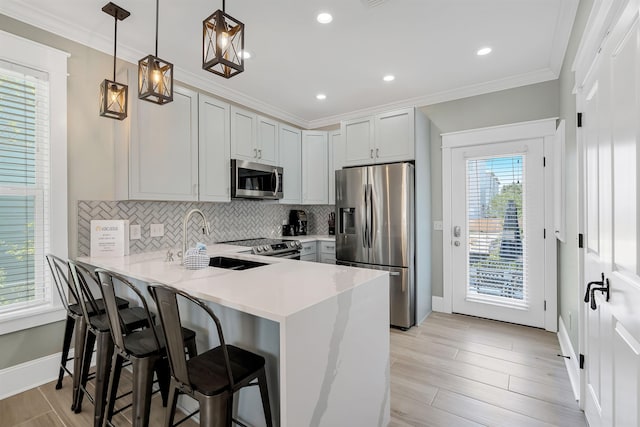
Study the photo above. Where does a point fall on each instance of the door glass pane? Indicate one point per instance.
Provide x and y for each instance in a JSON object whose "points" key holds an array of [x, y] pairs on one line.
{"points": [[496, 244]]}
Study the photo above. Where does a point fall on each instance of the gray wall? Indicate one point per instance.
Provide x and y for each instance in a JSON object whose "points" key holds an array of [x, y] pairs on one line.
{"points": [[568, 289], [539, 101]]}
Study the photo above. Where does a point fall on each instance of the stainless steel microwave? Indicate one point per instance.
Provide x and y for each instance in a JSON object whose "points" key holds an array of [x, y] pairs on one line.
{"points": [[255, 181]]}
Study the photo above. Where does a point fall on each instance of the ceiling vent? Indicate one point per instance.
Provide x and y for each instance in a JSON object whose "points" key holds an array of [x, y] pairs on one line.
{"points": [[372, 3]]}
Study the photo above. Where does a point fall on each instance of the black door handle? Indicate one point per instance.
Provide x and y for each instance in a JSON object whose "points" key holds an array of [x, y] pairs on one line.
{"points": [[600, 283], [604, 290]]}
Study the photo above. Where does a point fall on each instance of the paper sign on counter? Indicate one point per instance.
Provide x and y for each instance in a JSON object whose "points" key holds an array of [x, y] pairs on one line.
{"points": [[109, 237]]}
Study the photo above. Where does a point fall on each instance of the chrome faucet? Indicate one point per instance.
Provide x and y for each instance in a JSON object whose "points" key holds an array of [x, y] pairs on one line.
{"points": [[205, 228]]}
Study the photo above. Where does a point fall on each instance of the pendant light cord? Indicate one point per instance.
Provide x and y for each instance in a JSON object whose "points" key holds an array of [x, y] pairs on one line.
{"points": [[157, 8], [115, 44], [223, 11]]}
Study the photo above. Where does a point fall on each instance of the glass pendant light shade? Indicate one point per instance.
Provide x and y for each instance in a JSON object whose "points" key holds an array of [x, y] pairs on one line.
{"points": [[155, 80], [223, 44], [113, 99], [114, 95]]}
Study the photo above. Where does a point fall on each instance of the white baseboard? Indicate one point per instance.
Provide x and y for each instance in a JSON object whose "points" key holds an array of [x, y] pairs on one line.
{"points": [[437, 304], [27, 375], [573, 369]]}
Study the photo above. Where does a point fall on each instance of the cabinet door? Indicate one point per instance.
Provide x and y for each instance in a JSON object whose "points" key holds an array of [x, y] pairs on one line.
{"points": [[267, 141], [395, 136], [214, 150], [291, 163], [243, 135], [336, 161], [314, 168], [358, 139], [164, 149]]}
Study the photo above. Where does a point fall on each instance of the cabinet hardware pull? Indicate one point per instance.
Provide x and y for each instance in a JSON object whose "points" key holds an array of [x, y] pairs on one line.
{"points": [[255, 152], [372, 153], [377, 152], [259, 154]]}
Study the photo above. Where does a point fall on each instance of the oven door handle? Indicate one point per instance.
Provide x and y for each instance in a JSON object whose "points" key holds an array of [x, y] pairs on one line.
{"points": [[288, 255]]}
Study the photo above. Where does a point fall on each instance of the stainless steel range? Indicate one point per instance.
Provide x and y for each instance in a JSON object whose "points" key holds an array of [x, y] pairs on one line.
{"points": [[289, 249]]}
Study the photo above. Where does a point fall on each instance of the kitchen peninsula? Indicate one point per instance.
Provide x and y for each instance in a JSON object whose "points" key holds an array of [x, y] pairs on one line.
{"points": [[323, 329]]}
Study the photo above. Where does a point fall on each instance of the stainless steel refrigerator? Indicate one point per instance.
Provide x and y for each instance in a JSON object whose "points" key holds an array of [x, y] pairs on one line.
{"points": [[375, 229]]}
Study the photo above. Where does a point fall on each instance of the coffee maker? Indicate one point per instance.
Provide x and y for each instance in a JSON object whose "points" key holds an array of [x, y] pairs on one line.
{"points": [[298, 219]]}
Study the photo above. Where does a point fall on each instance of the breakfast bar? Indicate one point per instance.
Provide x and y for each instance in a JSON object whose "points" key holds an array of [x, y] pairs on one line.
{"points": [[323, 329]]}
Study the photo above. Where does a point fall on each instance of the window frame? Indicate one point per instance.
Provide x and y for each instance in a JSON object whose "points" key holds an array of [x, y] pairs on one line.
{"points": [[40, 57]]}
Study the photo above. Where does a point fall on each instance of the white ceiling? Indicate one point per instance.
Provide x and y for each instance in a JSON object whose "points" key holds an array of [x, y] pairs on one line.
{"points": [[429, 45]]}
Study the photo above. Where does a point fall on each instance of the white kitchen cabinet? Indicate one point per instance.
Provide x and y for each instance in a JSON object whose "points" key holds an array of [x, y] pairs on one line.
{"points": [[253, 138], [327, 252], [157, 153], [291, 163], [267, 143], [359, 140], [384, 138], [308, 251], [214, 150], [336, 161], [315, 180], [394, 136]]}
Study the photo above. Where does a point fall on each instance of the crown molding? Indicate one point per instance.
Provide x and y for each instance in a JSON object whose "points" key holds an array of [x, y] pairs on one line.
{"points": [[562, 34], [444, 96], [24, 12]]}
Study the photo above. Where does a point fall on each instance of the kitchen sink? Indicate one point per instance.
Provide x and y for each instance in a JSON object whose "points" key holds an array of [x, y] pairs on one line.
{"points": [[233, 263]]}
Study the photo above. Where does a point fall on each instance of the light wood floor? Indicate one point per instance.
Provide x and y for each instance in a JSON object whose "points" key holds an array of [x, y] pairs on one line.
{"points": [[450, 371]]}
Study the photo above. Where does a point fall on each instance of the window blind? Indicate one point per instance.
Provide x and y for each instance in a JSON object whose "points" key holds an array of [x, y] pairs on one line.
{"points": [[24, 187], [496, 216]]}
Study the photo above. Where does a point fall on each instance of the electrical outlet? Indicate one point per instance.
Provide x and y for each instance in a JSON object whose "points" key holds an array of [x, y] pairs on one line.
{"points": [[134, 232], [157, 230], [437, 225]]}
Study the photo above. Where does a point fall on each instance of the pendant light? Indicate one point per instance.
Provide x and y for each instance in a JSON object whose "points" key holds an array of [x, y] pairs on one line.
{"points": [[155, 76], [113, 95], [223, 44]]}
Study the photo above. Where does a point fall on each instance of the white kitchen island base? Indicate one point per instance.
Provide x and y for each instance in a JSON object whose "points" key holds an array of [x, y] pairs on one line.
{"points": [[323, 329]]}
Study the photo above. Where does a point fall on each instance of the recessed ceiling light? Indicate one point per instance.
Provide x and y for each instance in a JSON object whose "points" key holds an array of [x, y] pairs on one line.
{"points": [[484, 51], [246, 54], [324, 18], [321, 96], [389, 78]]}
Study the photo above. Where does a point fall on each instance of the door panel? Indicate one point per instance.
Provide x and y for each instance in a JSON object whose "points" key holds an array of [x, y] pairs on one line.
{"points": [[391, 188], [498, 234], [351, 214]]}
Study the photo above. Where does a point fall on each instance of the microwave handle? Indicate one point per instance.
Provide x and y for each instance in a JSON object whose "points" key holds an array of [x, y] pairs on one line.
{"points": [[275, 190]]}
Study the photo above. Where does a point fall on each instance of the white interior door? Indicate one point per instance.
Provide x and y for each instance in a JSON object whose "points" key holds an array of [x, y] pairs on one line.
{"points": [[611, 131], [497, 217]]}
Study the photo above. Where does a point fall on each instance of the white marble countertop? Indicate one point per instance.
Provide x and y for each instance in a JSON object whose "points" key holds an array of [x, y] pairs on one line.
{"points": [[274, 291], [313, 237]]}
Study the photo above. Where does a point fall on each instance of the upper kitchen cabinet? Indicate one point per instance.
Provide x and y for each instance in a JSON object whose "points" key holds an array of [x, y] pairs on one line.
{"points": [[359, 140], [214, 146], [384, 138], [253, 138], [394, 136], [157, 150], [315, 180], [336, 161], [290, 161]]}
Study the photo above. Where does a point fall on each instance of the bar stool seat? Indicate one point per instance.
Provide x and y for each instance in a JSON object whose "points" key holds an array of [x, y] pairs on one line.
{"points": [[208, 374], [143, 343]]}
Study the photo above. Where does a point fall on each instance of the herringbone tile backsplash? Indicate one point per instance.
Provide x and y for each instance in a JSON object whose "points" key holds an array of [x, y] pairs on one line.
{"points": [[229, 221]]}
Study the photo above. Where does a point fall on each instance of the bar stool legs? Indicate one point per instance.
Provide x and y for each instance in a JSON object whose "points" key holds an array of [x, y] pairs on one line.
{"points": [[66, 344]]}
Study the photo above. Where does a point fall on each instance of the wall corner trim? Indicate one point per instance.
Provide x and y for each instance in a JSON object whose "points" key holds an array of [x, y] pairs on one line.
{"points": [[437, 304], [571, 364]]}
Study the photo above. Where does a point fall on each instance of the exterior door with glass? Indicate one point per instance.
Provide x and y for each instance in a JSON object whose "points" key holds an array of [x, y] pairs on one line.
{"points": [[498, 231]]}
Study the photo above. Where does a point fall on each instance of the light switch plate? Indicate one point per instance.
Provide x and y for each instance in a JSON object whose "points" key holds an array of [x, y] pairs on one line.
{"points": [[437, 225], [134, 232], [157, 230]]}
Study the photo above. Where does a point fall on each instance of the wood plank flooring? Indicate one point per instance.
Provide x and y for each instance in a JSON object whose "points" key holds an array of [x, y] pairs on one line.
{"points": [[450, 371]]}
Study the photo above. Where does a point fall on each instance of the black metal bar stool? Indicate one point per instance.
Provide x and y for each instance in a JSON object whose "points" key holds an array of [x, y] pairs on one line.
{"points": [[96, 330], [145, 349], [212, 377], [60, 274]]}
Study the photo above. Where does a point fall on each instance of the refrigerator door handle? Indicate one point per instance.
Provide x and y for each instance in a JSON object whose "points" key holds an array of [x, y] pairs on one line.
{"points": [[365, 230], [371, 216]]}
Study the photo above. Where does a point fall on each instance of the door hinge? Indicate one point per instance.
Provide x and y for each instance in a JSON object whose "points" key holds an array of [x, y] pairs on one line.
{"points": [[545, 305], [580, 240], [582, 361], [544, 233], [579, 120], [544, 162]]}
